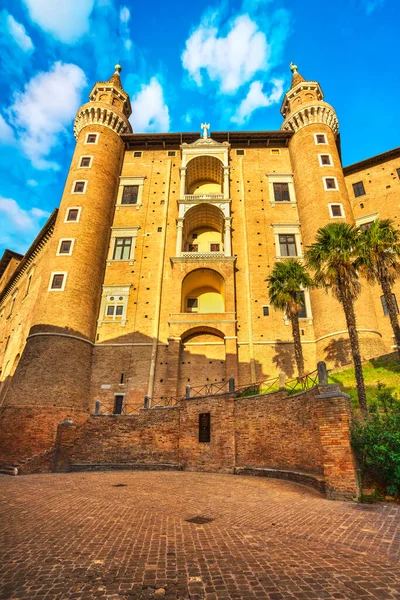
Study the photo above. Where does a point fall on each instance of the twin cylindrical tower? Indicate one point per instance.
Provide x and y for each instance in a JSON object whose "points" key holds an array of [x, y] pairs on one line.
{"points": [[322, 198], [54, 370]]}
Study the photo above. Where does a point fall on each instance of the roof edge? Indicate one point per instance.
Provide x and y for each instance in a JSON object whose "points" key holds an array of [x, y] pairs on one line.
{"points": [[373, 160]]}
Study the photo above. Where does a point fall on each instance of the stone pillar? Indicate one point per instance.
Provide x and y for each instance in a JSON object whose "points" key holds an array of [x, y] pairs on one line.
{"points": [[179, 236], [334, 420], [228, 237], [182, 189], [231, 357], [226, 182], [174, 348]]}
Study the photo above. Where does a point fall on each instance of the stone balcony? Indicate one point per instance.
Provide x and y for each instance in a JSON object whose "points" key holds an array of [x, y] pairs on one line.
{"points": [[204, 198]]}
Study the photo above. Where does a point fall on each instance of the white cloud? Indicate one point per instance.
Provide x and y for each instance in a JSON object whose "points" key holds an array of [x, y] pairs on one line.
{"points": [[149, 111], [256, 98], [19, 34], [6, 132], [231, 60], [124, 14], [128, 44], [65, 20], [44, 110], [16, 217], [32, 183]]}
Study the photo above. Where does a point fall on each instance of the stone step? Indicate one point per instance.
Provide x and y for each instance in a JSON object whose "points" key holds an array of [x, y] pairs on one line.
{"points": [[9, 471], [79, 467], [310, 479]]}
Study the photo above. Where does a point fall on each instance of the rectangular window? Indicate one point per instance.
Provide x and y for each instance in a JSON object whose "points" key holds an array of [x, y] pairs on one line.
{"points": [[193, 248], [85, 161], [73, 214], [28, 285], [320, 138], [11, 307], [365, 226], [301, 299], [265, 311], [239, 152], [214, 247], [118, 404], [171, 153], [192, 304], [384, 305], [358, 189], [281, 192], [122, 248], [57, 281], [287, 244], [274, 151], [330, 183], [79, 187], [325, 159], [137, 154], [130, 194], [204, 427], [114, 310], [65, 247], [336, 210], [91, 138]]}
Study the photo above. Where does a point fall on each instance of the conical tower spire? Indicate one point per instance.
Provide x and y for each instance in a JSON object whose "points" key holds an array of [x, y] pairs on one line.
{"points": [[297, 78], [115, 77]]}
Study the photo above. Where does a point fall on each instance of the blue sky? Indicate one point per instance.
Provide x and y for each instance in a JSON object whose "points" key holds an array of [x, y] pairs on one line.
{"points": [[183, 62]]}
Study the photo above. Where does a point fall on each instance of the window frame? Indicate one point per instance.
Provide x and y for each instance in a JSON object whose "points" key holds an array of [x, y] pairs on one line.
{"points": [[52, 275], [328, 189], [122, 232], [87, 138], [78, 208], [332, 216], [366, 219], [281, 178], [122, 248], [215, 244], [74, 192], [72, 240], [317, 143], [114, 290], [292, 235], [384, 306], [354, 189], [123, 195], [266, 306], [138, 152], [89, 166], [126, 181], [240, 152], [287, 228], [192, 309], [321, 164]]}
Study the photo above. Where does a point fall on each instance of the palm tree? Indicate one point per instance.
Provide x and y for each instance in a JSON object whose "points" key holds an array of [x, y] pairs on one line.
{"points": [[333, 259], [284, 287], [379, 261]]}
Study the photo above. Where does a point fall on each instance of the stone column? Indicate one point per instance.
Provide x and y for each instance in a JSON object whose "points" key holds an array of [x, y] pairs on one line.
{"points": [[174, 347], [183, 183], [231, 357], [227, 237], [226, 182], [334, 420], [179, 237]]}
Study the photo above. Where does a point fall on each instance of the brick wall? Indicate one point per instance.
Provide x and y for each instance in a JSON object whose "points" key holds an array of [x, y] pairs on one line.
{"points": [[308, 432], [279, 432]]}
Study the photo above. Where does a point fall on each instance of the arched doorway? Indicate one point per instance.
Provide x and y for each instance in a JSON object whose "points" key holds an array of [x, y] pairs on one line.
{"points": [[202, 358], [203, 291]]}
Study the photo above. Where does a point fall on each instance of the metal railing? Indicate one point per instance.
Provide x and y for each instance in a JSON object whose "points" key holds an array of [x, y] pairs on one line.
{"points": [[206, 255], [219, 388], [303, 383]]}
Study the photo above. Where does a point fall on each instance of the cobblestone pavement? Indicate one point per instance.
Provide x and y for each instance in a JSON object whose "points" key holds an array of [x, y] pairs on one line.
{"points": [[83, 536]]}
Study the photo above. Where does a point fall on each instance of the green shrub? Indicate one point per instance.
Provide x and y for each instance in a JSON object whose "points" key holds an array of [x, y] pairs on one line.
{"points": [[376, 441]]}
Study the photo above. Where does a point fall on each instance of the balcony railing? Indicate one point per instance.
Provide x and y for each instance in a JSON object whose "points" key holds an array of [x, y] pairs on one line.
{"points": [[209, 197], [202, 255]]}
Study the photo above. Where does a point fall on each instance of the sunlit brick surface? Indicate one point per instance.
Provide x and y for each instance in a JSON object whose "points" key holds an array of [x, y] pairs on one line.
{"points": [[77, 536]]}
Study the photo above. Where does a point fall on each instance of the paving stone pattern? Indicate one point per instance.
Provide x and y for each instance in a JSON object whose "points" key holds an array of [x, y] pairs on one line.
{"points": [[82, 536]]}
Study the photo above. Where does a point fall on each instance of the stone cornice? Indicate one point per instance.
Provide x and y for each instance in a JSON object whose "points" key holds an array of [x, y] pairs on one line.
{"points": [[105, 115], [310, 114]]}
